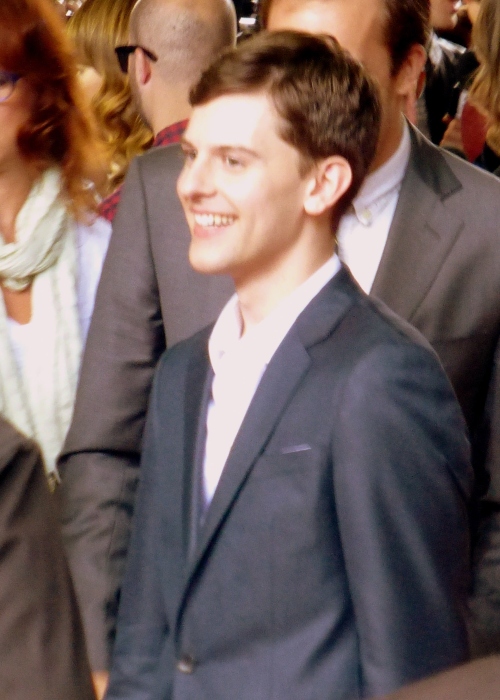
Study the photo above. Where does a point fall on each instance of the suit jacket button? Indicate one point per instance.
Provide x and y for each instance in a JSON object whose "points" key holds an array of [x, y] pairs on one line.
{"points": [[186, 664]]}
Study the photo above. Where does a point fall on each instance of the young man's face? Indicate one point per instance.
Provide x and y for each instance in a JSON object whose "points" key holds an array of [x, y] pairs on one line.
{"points": [[241, 190], [358, 26]]}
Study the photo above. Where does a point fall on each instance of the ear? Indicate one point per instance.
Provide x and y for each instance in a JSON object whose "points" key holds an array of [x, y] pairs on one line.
{"points": [[411, 75], [142, 67], [330, 179]]}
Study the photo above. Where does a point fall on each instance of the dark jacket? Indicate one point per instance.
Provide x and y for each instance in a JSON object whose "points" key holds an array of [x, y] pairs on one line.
{"points": [[333, 560], [42, 648]]}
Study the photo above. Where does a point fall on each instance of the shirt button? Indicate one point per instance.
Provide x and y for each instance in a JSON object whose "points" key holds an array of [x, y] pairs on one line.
{"points": [[365, 217], [186, 664]]}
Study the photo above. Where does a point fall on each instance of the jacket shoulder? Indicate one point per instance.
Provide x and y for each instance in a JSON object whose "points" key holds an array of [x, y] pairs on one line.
{"points": [[166, 159], [366, 317], [447, 174], [178, 357]]}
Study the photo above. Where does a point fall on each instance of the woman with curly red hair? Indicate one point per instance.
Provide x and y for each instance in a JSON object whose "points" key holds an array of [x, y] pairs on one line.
{"points": [[52, 244]]}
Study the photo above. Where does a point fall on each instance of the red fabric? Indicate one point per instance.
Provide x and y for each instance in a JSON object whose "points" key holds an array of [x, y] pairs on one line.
{"points": [[165, 137], [171, 134], [473, 131]]}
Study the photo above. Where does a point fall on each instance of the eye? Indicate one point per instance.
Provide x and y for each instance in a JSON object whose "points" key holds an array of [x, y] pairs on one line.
{"points": [[189, 154], [233, 162]]}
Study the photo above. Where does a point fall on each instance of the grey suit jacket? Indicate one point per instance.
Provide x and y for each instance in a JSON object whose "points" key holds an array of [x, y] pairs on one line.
{"points": [[439, 270], [42, 647], [148, 296], [333, 560]]}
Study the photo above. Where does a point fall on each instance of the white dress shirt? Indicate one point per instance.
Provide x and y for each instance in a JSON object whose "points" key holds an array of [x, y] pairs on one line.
{"points": [[240, 361], [363, 230]]}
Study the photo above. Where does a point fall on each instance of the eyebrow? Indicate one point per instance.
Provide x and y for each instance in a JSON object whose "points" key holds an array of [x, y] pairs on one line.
{"points": [[223, 149]]}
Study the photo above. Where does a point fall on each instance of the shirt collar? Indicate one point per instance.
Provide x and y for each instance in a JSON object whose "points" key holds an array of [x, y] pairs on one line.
{"points": [[383, 181], [263, 340], [170, 134]]}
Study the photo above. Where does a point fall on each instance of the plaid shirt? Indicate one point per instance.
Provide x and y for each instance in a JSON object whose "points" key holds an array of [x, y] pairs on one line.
{"points": [[171, 134]]}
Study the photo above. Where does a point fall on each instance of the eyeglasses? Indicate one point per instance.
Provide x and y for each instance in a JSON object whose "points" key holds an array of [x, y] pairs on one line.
{"points": [[123, 53], [7, 84]]}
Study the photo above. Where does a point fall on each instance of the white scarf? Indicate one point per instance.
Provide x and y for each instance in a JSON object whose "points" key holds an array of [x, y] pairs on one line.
{"points": [[39, 399]]}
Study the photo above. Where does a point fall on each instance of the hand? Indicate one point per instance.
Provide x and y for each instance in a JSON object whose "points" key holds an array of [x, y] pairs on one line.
{"points": [[100, 679], [452, 138]]}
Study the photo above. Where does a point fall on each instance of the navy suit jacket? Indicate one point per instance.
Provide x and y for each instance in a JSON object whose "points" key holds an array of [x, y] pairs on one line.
{"points": [[439, 271], [333, 559]]}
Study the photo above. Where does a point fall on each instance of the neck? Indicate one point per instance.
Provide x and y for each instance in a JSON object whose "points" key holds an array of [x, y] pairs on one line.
{"points": [[259, 293], [170, 105], [15, 186], [390, 137]]}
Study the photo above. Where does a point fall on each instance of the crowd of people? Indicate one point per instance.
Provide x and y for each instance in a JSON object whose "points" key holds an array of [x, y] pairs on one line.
{"points": [[250, 339]]}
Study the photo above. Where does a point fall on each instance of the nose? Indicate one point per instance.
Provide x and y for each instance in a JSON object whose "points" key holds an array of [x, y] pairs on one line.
{"points": [[196, 179]]}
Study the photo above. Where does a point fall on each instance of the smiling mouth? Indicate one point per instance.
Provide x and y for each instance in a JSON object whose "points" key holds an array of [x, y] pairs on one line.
{"points": [[211, 220]]}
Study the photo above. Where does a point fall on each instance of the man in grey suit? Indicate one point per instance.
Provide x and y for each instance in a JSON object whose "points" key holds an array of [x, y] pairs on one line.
{"points": [[306, 455], [148, 296], [424, 237]]}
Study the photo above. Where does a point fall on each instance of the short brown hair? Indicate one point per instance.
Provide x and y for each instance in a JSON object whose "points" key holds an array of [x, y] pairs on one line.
{"points": [[326, 102], [407, 23]]}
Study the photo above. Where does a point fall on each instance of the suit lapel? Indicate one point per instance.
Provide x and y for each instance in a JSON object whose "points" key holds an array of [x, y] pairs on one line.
{"points": [[265, 410], [197, 388], [284, 373], [422, 232]]}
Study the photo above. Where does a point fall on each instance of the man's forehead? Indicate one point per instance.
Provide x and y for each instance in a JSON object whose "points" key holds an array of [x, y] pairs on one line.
{"points": [[232, 119], [351, 20]]}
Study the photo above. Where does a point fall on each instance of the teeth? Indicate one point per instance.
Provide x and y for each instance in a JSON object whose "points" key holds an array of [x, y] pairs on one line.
{"points": [[207, 220]]}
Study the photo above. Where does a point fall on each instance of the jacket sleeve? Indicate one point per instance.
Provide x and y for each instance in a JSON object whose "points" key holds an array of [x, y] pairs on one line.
{"points": [[42, 647], [100, 458], [143, 634], [402, 484]]}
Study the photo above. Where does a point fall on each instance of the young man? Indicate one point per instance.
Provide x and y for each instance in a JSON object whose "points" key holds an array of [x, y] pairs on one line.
{"points": [[301, 525]]}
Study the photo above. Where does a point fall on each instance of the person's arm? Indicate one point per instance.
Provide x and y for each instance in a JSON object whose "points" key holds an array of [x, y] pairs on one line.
{"points": [[479, 680], [452, 138], [142, 629], [100, 458], [402, 480], [42, 646]]}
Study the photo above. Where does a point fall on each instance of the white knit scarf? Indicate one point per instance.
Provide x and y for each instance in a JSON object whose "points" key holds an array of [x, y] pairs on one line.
{"points": [[39, 400]]}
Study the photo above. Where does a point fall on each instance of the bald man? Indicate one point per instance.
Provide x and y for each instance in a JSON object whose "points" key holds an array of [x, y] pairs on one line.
{"points": [[171, 41], [148, 298]]}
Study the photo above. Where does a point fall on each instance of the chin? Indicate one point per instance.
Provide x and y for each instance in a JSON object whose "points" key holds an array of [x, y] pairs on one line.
{"points": [[205, 265]]}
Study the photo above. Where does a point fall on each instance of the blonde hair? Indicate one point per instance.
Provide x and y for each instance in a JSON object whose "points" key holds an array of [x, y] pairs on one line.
{"points": [[485, 89], [96, 28]]}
